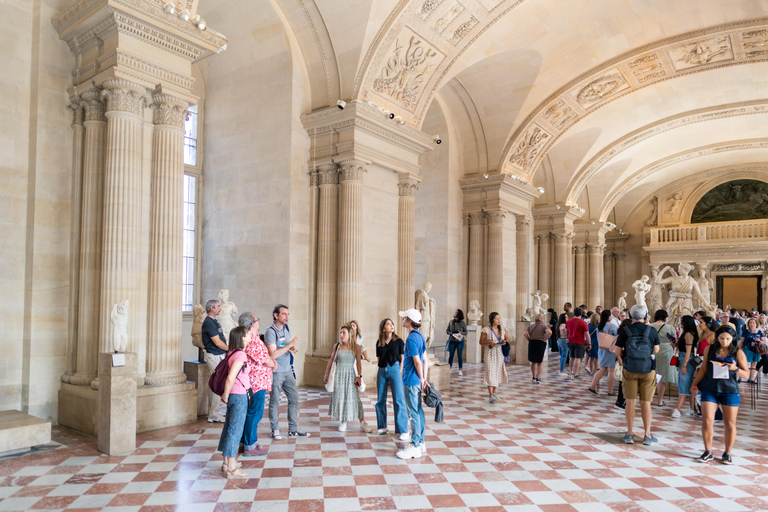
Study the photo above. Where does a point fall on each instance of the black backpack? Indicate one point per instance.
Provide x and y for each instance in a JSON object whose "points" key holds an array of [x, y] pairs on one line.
{"points": [[638, 350]]}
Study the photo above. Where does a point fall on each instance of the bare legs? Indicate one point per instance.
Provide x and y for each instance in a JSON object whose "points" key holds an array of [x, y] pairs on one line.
{"points": [[599, 375], [645, 411]]}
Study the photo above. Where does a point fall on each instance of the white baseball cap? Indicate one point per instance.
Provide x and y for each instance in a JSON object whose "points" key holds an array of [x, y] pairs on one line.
{"points": [[412, 314]]}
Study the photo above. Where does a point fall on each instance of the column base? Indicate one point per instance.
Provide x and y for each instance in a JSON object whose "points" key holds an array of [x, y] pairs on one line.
{"points": [[156, 407]]}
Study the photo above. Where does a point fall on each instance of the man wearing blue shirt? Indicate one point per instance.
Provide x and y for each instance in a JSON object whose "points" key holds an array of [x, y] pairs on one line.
{"points": [[414, 380]]}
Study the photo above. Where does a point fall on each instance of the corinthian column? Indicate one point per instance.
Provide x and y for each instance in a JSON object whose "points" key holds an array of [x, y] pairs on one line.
{"points": [[350, 241], [571, 264], [476, 260], [78, 133], [326, 330], [595, 283], [165, 246], [523, 265], [580, 296], [494, 282], [89, 290], [618, 277], [406, 245], [545, 267], [561, 270], [121, 268], [314, 198]]}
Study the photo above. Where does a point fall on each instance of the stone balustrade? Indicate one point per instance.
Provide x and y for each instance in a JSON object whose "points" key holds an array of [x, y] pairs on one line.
{"points": [[714, 233]]}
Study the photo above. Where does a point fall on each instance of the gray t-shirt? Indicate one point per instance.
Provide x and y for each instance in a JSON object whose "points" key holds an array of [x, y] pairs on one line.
{"points": [[279, 338]]}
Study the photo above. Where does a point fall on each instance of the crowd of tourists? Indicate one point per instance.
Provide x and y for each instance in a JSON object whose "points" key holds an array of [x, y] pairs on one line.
{"points": [[705, 358]]}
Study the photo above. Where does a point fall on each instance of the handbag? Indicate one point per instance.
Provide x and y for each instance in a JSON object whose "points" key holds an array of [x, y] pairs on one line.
{"points": [[674, 361], [696, 360], [332, 373], [618, 371], [760, 348], [606, 341]]}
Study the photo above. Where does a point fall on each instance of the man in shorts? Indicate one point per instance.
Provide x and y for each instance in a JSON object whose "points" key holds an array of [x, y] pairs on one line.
{"points": [[578, 341], [635, 346]]}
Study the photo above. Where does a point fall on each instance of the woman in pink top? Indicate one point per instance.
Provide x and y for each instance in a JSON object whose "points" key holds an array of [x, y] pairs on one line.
{"points": [[236, 397], [260, 368]]}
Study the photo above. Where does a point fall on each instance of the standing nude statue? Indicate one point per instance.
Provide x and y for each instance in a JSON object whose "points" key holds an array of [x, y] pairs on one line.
{"points": [[119, 318], [228, 315], [642, 287]]}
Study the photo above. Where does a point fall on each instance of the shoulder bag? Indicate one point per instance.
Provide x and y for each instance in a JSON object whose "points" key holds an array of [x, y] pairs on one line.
{"points": [[332, 373], [606, 341]]}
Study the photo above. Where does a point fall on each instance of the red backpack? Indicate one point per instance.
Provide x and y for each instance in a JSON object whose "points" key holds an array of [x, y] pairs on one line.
{"points": [[218, 380]]}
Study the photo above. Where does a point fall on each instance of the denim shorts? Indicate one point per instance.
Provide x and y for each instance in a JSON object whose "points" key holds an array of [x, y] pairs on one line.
{"points": [[684, 381], [727, 399]]}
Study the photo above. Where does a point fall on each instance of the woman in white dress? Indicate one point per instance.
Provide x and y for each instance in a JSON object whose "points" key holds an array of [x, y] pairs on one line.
{"points": [[493, 337]]}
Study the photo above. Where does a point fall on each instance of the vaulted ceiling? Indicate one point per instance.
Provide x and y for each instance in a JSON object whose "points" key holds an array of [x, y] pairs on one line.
{"points": [[600, 102]]}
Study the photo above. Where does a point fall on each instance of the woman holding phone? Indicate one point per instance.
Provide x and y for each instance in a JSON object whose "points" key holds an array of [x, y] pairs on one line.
{"points": [[751, 335], [493, 337], [717, 378]]}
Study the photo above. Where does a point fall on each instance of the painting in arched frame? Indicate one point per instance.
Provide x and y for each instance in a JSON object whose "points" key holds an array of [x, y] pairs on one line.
{"points": [[732, 201]]}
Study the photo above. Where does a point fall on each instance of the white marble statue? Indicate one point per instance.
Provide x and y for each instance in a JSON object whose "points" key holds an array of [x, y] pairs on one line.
{"points": [[197, 326], [529, 315], [642, 287], [673, 202], [119, 318], [653, 220], [622, 301], [228, 315], [653, 298], [683, 289], [425, 305], [706, 287], [538, 299], [473, 313]]}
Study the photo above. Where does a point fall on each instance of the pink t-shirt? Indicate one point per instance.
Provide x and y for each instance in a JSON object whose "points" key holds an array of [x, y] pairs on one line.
{"points": [[242, 382]]}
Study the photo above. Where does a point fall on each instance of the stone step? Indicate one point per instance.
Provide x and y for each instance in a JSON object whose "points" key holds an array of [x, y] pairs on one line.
{"points": [[19, 432]]}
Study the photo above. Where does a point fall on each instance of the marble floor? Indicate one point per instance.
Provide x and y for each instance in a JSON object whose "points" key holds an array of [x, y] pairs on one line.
{"points": [[552, 447]]}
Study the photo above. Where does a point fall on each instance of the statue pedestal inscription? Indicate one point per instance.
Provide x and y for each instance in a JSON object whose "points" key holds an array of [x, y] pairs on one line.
{"points": [[474, 349], [117, 404]]}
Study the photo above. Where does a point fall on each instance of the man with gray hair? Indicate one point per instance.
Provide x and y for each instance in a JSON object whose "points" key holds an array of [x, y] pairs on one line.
{"points": [[215, 343], [635, 348]]}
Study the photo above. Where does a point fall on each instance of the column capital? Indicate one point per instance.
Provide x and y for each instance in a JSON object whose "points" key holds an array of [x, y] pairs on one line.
{"points": [[476, 218], [351, 170], [93, 106], [124, 96], [314, 178], [407, 187], [169, 110], [496, 217], [327, 174], [522, 223], [78, 113], [561, 238]]}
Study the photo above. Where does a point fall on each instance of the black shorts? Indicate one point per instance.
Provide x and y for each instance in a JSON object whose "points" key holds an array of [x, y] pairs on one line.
{"points": [[577, 350], [536, 349]]}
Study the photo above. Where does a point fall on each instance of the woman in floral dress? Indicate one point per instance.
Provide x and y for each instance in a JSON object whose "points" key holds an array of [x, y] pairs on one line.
{"points": [[493, 337], [345, 400]]}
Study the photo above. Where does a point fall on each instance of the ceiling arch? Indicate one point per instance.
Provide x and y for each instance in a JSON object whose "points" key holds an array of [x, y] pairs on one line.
{"points": [[619, 190]]}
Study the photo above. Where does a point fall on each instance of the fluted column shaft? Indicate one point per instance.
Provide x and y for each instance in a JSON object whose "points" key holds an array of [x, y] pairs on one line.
{"points": [[595, 283], [571, 263], [350, 242], [523, 264], [89, 290], [580, 296], [78, 134], [314, 198], [494, 283], [121, 268], [608, 298], [165, 247], [561, 270], [476, 259], [545, 266], [406, 246], [618, 278], [327, 244]]}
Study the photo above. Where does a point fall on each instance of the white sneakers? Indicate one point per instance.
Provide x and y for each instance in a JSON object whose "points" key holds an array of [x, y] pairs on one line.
{"points": [[675, 413], [423, 448], [365, 428], [411, 452], [405, 436], [382, 431], [343, 426], [461, 373]]}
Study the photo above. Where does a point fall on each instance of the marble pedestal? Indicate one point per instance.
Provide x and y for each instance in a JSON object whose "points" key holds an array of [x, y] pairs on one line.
{"points": [[117, 404], [199, 374], [520, 354], [439, 376], [474, 351]]}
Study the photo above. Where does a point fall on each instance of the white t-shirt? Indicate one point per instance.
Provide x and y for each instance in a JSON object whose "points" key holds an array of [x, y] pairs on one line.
{"points": [[615, 321], [361, 343]]}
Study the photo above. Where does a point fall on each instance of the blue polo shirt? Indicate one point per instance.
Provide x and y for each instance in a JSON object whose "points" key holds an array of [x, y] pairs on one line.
{"points": [[414, 346]]}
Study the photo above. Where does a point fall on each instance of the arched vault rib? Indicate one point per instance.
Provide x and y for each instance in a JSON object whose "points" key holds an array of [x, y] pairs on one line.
{"points": [[617, 192], [611, 151], [702, 50]]}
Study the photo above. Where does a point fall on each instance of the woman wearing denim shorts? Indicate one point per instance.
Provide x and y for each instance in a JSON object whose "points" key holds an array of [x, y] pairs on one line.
{"points": [[686, 349], [717, 378]]}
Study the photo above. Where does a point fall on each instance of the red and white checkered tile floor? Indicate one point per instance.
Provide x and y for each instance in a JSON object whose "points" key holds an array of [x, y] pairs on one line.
{"points": [[549, 447]]}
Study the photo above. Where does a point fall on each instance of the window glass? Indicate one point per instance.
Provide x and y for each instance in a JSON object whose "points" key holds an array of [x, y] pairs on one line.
{"points": [[188, 267], [190, 137]]}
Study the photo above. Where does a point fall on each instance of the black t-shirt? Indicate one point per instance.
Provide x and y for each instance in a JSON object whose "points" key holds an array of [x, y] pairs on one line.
{"points": [[211, 328], [390, 353], [637, 328]]}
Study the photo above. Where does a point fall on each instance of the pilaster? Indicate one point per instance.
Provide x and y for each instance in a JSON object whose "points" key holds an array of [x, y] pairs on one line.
{"points": [[350, 284], [326, 329], [406, 244], [524, 263], [476, 258], [494, 284]]}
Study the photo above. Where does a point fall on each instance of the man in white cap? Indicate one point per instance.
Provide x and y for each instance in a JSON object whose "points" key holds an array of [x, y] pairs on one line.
{"points": [[414, 380]]}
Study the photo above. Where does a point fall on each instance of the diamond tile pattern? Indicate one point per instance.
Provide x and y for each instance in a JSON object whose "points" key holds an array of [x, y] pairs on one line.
{"points": [[551, 447]]}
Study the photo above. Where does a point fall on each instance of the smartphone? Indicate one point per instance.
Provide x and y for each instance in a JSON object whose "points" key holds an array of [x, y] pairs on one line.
{"points": [[725, 360]]}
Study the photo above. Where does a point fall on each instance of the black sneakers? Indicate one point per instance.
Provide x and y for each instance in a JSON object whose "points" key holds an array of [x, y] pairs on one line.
{"points": [[707, 456], [298, 433], [726, 459]]}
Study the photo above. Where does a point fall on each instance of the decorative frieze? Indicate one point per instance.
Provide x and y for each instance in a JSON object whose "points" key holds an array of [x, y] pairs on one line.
{"points": [[740, 267]]}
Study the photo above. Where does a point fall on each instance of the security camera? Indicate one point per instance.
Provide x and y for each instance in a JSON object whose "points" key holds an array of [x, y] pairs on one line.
{"points": [[437, 139], [391, 115], [341, 104]]}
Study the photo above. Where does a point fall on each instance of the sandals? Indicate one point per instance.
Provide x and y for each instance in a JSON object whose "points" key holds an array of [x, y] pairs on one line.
{"points": [[236, 474], [224, 467]]}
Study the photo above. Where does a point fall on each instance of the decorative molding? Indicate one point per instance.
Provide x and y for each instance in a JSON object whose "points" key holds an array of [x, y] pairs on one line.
{"points": [[407, 188], [476, 218], [673, 57], [321, 49], [328, 174], [94, 110], [739, 267], [314, 178]]}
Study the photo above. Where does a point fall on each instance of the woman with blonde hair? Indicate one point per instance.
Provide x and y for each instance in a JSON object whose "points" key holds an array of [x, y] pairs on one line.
{"points": [[345, 399], [357, 337], [493, 337], [537, 335]]}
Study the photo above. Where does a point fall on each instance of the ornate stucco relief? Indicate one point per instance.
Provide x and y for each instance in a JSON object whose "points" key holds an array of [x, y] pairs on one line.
{"points": [[688, 53]]}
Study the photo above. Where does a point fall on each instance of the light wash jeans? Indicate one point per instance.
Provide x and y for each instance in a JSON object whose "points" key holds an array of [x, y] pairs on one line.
{"points": [[562, 346], [391, 376], [416, 412], [237, 408], [286, 382]]}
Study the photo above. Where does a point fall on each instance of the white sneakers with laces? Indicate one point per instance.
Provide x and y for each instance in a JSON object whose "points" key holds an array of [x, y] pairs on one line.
{"points": [[411, 452]]}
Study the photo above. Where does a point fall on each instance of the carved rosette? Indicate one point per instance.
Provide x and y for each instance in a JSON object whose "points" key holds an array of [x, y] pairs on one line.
{"points": [[407, 188], [327, 174], [120, 97], [78, 113], [352, 171]]}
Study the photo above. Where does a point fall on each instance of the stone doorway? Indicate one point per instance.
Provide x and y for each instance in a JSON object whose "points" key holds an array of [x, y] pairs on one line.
{"points": [[741, 292]]}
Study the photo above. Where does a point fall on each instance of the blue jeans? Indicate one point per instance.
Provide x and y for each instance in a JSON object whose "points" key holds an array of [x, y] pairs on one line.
{"points": [[237, 407], [391, 375], [252, 419], [452, 346], [562, 347], [416, 412]]}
